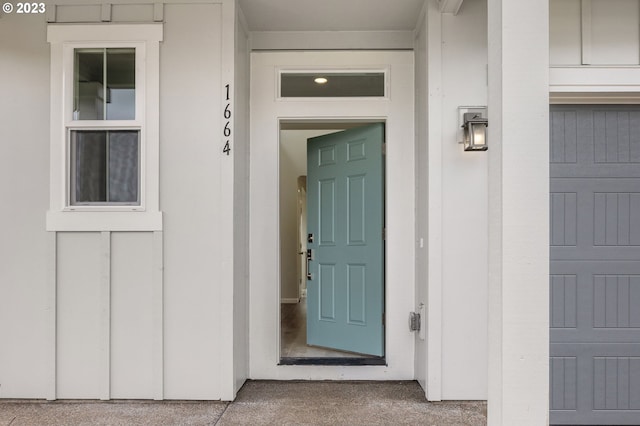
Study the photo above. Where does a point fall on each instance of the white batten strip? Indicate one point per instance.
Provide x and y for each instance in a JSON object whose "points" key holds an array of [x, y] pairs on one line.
{"points": [[158, 316], [51, 315], [105, 313], [586, 32]]}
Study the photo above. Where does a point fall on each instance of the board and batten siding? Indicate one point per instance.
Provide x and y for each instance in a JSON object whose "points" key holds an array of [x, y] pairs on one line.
{"points": [[24, 187], [138, 314], [594, 32]]}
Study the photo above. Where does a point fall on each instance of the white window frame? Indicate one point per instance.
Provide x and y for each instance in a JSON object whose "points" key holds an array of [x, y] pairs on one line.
{"points": [[385, 70], [64, 39], [280, 71]]}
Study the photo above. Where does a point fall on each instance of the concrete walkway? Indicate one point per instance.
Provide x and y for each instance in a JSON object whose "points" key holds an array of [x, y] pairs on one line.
{"points": [[261, 403]]}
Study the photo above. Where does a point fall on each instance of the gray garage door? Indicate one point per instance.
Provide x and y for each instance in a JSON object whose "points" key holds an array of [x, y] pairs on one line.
{"points": [[595, 265]]}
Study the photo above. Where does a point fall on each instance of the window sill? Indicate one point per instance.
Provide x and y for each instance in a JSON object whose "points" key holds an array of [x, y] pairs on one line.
{"points": [[104, 221]]}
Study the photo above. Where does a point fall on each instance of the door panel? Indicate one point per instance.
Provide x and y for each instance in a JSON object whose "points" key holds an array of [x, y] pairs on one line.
{"points": [[345, 203], [595, 265]]}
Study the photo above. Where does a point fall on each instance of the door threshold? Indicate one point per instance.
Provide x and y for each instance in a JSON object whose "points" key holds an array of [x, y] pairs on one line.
{"points": [[332, 361]]}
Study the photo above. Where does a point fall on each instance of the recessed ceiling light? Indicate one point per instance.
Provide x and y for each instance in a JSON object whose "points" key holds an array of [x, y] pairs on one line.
{"points": [[320, 80]]}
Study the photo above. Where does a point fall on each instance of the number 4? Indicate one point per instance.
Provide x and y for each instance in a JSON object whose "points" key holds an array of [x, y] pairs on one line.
{"points": [[227, 148]]}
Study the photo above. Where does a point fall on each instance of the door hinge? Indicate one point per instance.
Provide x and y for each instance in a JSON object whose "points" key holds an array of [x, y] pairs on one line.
{"points": [[384, 148], [383, 319], [384, 234]]}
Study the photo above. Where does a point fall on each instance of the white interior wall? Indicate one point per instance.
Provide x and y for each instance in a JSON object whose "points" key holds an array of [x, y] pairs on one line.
{"points": [[24, 185], [464, 208], [293, 163]]}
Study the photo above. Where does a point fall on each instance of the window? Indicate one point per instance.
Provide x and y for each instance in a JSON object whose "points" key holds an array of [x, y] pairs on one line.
{"points": [[104, 84], [330, 84], [105, 125], [104, 167]]}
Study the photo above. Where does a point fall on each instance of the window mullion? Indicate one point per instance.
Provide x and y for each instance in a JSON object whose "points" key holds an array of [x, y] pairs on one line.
{"points": [[107, 169]]}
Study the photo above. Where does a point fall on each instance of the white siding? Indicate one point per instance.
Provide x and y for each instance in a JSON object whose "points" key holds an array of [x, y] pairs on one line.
{"points": [[24, 186], [594, 32], [81, 314], [81, 339], [519, 213], [190, 189], [132, 324], [464, 209], [565, 38], [241, 207], [615, 32], [423, 265]]}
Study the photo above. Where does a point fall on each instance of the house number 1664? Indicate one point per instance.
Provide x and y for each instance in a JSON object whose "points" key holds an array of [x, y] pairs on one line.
{"points": [[226, 131]]}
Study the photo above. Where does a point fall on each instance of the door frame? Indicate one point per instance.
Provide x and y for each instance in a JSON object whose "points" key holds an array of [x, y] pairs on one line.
{"points": [[267, 111]]}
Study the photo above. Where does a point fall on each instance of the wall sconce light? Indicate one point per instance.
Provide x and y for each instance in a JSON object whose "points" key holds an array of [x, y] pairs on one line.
{"points": [[473, 123]]}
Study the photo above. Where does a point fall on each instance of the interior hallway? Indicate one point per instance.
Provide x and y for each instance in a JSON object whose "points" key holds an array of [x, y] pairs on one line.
{"points": [[293, 335]]}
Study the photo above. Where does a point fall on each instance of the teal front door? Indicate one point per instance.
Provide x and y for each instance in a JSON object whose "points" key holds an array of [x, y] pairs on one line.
{"points": [[345, 223]]}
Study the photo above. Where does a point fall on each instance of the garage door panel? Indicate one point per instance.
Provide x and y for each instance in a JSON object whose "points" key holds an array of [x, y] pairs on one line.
{"points": [[595, 254], [595, 302], [595, 383], [616, 136], [595, 265], [590, 214], [588, 135], [593, 170]]}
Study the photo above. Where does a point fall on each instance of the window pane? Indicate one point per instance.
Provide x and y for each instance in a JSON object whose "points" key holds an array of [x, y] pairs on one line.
{"points": [[90, 166], [123, 166], [314, 85], [105, 167], [121, 84], [104, 85], [88, 88]]}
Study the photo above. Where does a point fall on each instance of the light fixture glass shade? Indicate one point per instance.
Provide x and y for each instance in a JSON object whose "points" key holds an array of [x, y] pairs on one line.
{"points": [[475, 132]]}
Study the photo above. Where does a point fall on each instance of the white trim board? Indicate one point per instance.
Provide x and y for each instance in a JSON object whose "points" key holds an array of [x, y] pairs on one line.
{"points": [[597, 79], [267, 112]]}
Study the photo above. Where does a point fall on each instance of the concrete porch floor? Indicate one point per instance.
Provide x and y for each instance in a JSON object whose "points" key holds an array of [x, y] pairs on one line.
{"points": [[262, 403]]}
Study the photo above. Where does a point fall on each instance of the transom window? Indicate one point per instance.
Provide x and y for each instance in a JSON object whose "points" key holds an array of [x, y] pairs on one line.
{"points": [[332, 84]]}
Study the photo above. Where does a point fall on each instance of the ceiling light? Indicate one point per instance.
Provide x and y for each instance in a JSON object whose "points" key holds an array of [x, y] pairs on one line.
{"points": [[320, 80]]}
